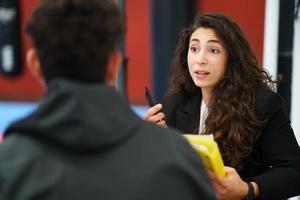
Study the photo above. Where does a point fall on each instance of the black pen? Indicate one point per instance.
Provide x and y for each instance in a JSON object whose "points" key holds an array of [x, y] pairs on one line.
{"points": [[149, 97]]}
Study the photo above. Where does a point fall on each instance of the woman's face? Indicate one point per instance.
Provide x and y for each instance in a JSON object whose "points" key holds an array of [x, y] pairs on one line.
{"points": [[206, 58]]}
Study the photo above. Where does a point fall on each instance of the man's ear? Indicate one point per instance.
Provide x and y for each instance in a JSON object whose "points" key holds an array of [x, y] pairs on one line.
{"points": [[33, 63], [113, 65]]}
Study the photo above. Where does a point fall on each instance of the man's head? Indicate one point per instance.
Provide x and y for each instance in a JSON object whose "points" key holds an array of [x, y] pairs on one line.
{"points": [[75, 39]]}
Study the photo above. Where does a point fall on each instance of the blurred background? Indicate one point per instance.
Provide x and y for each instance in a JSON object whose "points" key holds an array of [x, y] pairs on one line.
{"points": [[271, 26]]}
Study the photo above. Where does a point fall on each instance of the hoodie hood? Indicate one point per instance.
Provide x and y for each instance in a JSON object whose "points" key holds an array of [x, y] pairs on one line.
{"points": [[79, 116]]}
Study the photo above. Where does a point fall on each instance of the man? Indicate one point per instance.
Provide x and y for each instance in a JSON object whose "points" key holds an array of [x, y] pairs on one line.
{"points": [[83, 141]]}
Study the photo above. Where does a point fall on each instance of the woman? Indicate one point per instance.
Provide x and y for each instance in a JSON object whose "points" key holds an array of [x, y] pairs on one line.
{"points": [[216, 87]]}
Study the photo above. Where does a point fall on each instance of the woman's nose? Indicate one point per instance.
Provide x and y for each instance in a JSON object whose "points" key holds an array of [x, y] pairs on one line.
{"points": [[202, 58]]}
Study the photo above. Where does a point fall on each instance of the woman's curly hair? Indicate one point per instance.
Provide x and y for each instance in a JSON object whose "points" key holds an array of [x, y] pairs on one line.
{"points": [[232, 118]]}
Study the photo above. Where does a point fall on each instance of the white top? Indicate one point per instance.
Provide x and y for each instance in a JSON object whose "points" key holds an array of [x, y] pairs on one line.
{"points": [[203, 116]]}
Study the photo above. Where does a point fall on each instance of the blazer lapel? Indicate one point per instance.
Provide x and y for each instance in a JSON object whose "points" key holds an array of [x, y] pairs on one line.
{"points": [[187, 118]]}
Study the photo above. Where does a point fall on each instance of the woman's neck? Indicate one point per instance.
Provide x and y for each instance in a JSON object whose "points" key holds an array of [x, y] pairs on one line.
{"points": [[206, 94]]}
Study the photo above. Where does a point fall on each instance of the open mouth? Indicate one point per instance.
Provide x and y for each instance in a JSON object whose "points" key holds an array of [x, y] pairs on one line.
{"points": [[201, 73]]}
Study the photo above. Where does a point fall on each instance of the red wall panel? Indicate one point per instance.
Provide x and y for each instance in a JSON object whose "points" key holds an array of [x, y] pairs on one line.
{"points": [[23, 87], [138, 49], [249, 14]]}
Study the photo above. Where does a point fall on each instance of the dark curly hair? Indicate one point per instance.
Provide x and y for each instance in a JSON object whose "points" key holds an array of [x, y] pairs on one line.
{"points": [[73, 38], [232, 118]]}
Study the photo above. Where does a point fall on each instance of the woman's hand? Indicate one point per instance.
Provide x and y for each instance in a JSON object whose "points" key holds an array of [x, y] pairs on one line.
{"points": [[230, 187], [153, 115]]}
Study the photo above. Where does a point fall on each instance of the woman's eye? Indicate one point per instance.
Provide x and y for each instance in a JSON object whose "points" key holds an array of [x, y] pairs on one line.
{"points": [[193, 49], [215, 51]]}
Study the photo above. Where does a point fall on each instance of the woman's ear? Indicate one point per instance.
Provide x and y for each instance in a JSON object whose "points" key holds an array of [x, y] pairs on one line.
{"points": [[33, 63], [113, 65]]}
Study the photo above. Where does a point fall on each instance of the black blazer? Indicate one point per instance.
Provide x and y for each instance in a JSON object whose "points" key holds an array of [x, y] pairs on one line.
{"points": [[275, 162]]}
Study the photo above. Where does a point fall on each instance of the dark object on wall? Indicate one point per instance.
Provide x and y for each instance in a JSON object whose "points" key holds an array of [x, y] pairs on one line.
{"points": [[297, 8], [122, 76], [10, 51], [168, 18], [285, 49]]}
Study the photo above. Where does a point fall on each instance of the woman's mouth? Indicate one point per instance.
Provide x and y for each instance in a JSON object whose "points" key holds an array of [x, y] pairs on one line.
{"points": [[201, 74]]}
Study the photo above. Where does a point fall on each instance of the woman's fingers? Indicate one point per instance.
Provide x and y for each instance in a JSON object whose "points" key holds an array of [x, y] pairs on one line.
{"points": [[162, 123], [153, 115], [152, 111], [157, 117]]}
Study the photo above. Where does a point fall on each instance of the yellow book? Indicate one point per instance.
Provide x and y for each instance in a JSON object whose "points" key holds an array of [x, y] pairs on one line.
{"points": [[209, 152]]}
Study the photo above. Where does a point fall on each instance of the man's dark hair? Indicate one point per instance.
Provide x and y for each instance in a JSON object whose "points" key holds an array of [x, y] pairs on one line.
{"points": [[74, 38]]}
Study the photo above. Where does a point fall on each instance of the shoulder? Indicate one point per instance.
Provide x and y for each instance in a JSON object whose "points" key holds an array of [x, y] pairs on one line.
{"points": [[176, 101], [166, 137], [266, 95], [23, 150], [17, 154], [174, 160], [15, 144], [168, 140], [267, 102], [21, 156], [171, 103]]}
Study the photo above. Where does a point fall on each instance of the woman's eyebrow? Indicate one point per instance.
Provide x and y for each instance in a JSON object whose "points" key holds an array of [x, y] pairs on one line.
{"points": [[209, 41], [213, 41], [194, 40]]}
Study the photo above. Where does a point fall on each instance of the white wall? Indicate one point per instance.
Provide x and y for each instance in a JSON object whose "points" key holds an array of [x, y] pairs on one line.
{"points": [[270, 59], [295, 106], [271, 36], [271, 53]]}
